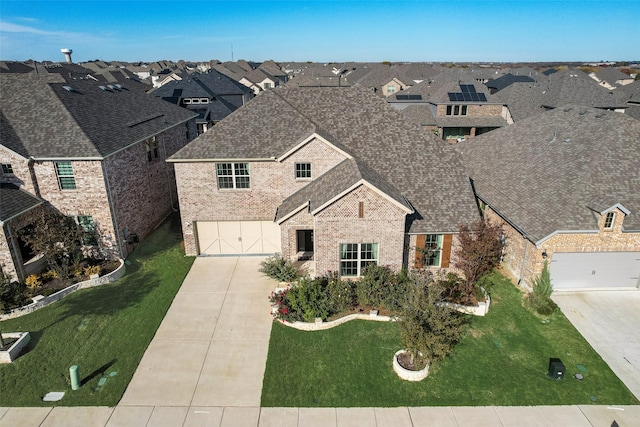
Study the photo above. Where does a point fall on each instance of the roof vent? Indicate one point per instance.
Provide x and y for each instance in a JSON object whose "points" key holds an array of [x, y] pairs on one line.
{"points": [[68, 88], [112, 87], [106, 88], [568, 140]]}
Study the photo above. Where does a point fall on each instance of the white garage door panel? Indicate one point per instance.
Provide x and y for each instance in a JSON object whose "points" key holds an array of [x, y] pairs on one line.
{"points": [[238, 237], [600, 270]]}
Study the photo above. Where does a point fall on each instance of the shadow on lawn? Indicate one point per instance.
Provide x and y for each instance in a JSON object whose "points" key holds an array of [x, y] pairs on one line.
{"points": [[98, 372]]}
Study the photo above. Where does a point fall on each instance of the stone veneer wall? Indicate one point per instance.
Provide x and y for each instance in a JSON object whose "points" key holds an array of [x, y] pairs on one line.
{"points": [[271, 183], [473, 110], [383, 223]]}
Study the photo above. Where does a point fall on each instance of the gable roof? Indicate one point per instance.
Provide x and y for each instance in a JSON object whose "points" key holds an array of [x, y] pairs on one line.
{"points": [[507, 80], [550, 172], [15, 202], [335, 183], [49, 121], [423, 169]]}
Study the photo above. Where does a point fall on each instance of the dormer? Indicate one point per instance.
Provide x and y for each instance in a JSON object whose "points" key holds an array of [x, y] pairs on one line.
{"points": [[612, 218]]}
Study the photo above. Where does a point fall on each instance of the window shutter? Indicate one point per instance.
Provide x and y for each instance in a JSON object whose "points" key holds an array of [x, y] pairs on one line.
{"points": [[446, 250], [420, 241]]}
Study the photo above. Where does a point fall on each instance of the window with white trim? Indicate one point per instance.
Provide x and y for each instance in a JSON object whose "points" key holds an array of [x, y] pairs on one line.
{"points": [[64, 173], [608, 221], [355, 257], [432, 250], [233, 175], [391, 89], [303, 170]]}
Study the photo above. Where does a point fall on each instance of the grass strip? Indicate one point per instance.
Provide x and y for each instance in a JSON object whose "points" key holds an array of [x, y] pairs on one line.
{"points": [[502, 360], [104, 330]]}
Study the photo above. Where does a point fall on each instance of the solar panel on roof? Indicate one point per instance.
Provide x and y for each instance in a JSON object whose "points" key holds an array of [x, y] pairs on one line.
{"points": [[482, 97], [464, 88], [415, 96], [402, 97], [474, 97], [452, 96]]}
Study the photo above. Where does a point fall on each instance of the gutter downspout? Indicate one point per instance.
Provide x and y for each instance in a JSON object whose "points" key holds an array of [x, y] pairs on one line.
{"points": [[524, 260], [114, 219]]}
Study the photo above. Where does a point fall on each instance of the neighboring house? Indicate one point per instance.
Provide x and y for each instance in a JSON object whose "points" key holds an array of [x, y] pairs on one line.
{"points": [[211, 95], [89, 151], [330, 175], [258, 81], [611, 78], [566, 186], [454, 111], [507, 80]]}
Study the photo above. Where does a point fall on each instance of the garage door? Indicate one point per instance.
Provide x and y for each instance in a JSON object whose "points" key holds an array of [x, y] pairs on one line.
{"points": [[238, 237], [596, 270]]}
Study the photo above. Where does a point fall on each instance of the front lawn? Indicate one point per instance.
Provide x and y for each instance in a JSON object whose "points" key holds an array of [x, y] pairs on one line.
{"points": [[502, 359], [103, 330]]}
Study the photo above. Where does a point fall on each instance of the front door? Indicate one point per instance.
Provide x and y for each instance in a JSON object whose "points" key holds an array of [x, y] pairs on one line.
{"points": [[305, 240]]}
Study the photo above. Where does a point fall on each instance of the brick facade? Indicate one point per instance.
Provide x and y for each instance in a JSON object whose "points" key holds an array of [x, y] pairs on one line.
{"points": [[140, 193], [383, 222], [473, 110], [525, 260], [271, 182]]}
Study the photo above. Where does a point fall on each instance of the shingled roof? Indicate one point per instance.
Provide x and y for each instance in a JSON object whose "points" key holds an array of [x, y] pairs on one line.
{"points": [[52, 119], [549, 173], [426, 172], [15, 202]]}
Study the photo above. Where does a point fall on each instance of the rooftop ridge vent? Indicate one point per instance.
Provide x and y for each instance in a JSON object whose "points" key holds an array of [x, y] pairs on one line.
{"points": [[68, 88], [112, 87]]}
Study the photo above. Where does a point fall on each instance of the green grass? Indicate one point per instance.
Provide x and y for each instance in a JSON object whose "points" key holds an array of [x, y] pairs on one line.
{"points": [[502, 359], [102, 330]]}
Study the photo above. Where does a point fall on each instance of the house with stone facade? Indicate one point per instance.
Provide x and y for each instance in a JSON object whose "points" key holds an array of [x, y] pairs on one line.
{"points": [[566, 186], [330, 176], [90, 151]]}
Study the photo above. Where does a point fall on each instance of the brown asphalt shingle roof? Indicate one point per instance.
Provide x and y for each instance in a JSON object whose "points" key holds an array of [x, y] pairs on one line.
{"points": [[429, 174], [548, 173]]}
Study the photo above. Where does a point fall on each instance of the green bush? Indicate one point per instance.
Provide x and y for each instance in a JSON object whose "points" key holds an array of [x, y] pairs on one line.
{"points": [[308, 299], [427, 326], [342, 293], [278, 268], [540, 298], [381, 287]]}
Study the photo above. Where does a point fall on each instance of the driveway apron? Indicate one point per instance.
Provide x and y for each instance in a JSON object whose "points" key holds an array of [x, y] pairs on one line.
{"points": [[610, 322], [211, 347]]}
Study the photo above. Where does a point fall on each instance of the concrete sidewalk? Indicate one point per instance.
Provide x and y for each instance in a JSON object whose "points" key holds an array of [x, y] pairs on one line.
{"points": [[205, 365]]}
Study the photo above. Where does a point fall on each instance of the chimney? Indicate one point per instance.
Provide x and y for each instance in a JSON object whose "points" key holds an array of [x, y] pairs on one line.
{"points": [[67, 55]]}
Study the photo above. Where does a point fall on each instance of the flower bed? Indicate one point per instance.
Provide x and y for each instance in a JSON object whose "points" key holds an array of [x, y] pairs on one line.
{"points": [[21, 340], [44, 301]]}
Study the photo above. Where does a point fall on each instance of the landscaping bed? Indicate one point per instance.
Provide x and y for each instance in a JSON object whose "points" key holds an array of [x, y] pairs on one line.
{"points": [[103, 330], [502, 359]]}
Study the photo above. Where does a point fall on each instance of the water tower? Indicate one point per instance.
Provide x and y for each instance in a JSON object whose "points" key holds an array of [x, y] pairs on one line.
{"points": [[67, 54]]}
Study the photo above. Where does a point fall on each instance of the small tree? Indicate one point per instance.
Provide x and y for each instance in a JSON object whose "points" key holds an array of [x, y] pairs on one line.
{"points": [[427, 325], [540, 298], [57, 237], [480, 251]]}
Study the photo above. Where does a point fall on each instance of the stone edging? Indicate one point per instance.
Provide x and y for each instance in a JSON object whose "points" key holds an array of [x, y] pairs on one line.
{"points": [[319, 325], [43, 302], [406, 374], [14, 351]]}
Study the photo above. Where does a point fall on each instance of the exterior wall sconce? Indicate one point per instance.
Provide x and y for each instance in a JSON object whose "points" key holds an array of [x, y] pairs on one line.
{"points": [[544, 254]]}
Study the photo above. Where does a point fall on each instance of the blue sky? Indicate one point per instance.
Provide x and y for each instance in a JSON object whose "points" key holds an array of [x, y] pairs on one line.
{"points": [[322, 31]]}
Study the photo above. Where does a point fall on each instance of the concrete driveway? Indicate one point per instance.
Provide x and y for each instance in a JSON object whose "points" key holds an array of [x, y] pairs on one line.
{"points": [[610, 322], [211, 347]]}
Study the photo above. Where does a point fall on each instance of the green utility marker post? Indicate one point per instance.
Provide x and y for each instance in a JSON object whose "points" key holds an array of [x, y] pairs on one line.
{"points": [[75, 377]]}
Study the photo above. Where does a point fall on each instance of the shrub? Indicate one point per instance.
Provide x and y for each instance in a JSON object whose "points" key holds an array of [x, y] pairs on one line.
{"points": [[278, 268], [92, 269], [540, 298], [308, 299], [49, 275], [341, 293], [426, 325], [33, 282]]}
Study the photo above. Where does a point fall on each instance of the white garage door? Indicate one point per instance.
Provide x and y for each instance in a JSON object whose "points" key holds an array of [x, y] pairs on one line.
{"points": [[595, 270], [238, 237]]}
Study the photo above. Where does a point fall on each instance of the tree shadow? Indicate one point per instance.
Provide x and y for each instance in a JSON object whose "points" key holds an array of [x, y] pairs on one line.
{"points": [[98, 372]]}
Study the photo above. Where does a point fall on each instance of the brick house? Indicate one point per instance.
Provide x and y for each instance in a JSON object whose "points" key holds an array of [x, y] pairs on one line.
{"points": [[329, 175], [566, 186], [89, 151], [452, 110]]}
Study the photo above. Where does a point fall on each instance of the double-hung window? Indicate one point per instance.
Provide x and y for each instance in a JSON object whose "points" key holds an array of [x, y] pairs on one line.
{"points": [[233, 175], [7, 168], [432, 250], [64, 172], [355, 257], [303, 170]]}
